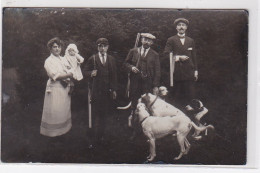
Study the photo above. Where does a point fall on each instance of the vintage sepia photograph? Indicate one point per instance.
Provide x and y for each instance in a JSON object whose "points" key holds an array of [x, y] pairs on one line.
{"points": [[124, 86]]}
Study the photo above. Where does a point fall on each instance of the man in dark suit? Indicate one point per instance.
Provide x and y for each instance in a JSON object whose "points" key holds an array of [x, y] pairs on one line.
{"points": [[144, 66], [101, 72], [185, 72]]}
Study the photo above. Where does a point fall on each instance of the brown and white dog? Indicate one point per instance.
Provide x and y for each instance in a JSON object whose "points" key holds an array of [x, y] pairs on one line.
{"points": [[196, 110], [158, 127]]}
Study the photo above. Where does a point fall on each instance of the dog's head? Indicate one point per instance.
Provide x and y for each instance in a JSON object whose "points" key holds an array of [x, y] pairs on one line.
{"points": [[195, 105], [163, 91], [140, 106], [141, 112], [146, 98]]}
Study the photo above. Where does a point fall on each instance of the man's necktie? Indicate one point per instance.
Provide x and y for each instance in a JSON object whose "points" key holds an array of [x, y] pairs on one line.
{"points": [[143, 55], [103, 59]]}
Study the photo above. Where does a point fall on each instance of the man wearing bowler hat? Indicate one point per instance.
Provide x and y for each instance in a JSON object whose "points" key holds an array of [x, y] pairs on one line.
{"points": [[185, 71], [101, 72], [144, 66]]}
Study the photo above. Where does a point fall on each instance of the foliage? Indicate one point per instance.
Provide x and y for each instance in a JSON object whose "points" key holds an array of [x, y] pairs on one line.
{"points": [[220, 36]]}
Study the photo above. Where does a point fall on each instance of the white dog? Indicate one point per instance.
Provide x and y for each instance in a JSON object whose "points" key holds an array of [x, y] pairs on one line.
{"points": [[158, 127], [163, 92], [159, 107]]}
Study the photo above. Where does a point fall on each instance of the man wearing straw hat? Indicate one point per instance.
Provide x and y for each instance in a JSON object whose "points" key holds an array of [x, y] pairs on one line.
{"points": [[144, 66], [183, 65]]}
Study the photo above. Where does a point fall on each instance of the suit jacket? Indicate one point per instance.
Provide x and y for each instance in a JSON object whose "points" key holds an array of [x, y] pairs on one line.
{"points": [[101, 82], [153, 65], [183, 70]]}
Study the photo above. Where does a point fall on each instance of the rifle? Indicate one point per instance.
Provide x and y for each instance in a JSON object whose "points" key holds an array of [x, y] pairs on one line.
{"points": [[172, 67], [128, 75], [89, 98]]}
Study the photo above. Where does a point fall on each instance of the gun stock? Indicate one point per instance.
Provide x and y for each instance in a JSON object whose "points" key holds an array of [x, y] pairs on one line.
{"points": [[172, 67]]}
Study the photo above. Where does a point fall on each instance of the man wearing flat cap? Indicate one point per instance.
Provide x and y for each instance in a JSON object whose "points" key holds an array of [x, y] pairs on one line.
{"points": [[144, 66], [183, 64], [101, 73]]}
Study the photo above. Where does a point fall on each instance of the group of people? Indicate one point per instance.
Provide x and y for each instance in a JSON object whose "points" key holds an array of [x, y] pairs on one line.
{"points": [[142, 64]]}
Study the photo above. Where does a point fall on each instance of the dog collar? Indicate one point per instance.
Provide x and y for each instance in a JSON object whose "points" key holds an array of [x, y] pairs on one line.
{"points": [[153, 101], [143, 120]]}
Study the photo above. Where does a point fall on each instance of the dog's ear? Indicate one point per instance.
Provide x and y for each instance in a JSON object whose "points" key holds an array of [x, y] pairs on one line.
{"points": [[195, 103], [145, 98]]}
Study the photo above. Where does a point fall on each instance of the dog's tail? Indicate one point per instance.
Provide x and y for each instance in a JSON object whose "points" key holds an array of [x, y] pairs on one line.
{"points": [[125, 107], [202, 128]]}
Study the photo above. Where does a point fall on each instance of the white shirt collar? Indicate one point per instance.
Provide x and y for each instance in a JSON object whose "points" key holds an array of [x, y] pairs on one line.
{"points": [[100, 57], [142, 50], [181, 35], [100, 54]]}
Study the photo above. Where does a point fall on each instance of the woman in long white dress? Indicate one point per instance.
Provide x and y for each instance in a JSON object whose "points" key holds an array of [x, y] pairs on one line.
{"points": [[56, 116]]}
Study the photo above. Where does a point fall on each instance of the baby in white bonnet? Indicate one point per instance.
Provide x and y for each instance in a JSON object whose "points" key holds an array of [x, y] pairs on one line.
{"points": [[74, 60]]}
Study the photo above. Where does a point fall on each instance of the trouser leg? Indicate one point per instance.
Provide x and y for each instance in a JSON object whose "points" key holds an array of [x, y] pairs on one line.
{"points": [[189, 91], [177, 93]]}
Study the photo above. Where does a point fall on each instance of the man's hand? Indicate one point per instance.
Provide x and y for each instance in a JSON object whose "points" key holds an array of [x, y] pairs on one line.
{"points": [[114, 95], [135, 70], [196, 75], [183, 58], [155, 91], [94, 73]]}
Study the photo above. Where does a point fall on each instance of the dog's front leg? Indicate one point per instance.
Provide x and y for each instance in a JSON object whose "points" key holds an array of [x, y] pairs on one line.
{"points": [[149, 156], [181, 140], [152, 150]]}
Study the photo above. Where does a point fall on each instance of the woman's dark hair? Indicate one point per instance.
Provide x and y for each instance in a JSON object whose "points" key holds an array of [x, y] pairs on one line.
{"points": [[52, 41]]}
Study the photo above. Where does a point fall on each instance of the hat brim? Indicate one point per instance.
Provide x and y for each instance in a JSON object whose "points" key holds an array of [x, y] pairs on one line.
{"points": [[102, 44], [181, 20]]}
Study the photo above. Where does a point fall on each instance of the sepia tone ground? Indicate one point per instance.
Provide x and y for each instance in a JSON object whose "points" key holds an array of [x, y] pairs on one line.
{"points": [[22, 142]]}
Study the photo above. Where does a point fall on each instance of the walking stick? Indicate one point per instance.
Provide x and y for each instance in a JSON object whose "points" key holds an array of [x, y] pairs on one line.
{"points": [[128, 75], [172, 66], [89, 107], [89, 98]]}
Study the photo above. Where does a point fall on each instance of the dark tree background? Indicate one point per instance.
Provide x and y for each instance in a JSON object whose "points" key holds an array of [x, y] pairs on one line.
{"points": [[221, 41]]}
